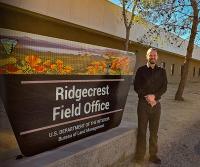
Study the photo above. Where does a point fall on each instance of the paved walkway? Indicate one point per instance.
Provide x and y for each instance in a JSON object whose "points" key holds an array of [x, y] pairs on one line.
{"points": [[179, 133]]}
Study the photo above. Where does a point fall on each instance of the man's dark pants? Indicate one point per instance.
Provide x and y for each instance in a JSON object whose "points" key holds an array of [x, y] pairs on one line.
{"points": [[151, 115]]}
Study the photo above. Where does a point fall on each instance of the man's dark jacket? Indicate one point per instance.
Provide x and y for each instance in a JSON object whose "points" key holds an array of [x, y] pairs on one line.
{"points": [[150, 81]]}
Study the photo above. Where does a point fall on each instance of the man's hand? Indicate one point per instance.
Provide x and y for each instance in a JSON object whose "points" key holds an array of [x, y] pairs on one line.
{"points": [[151, 100]]}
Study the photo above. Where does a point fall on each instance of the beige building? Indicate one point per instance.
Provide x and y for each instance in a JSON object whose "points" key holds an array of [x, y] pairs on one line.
{"points": [[95, 22]]}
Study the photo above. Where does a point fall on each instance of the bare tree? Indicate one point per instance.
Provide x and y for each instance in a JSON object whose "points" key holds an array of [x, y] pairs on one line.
{"points": [[194, 22], [177, 18], [134, 11], [128, 22]]}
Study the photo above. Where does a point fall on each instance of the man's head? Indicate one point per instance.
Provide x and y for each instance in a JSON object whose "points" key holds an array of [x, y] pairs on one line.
{"points": [[152, 56]]}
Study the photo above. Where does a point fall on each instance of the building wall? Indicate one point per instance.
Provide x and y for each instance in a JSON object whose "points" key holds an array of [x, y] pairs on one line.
{"points": [[170, 59], [100, 15], [27, 21]]}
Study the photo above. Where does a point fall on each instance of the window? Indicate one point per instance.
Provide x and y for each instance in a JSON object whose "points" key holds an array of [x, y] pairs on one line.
{"points": [[194, 70], [172, 69], [181, 70], [199, 72]]}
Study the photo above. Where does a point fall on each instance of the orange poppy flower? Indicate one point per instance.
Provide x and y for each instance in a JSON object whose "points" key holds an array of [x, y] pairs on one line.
{"points": [[103, 64], [114, 65], [59, 62], [47, 63], [32, 60], [124, 61], [40, 69], [91, 70], [119, 64], [53, 67], [11, 68], [68, 69], [96, 64]]}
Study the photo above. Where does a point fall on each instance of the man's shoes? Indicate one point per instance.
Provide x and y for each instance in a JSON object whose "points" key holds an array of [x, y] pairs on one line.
{"points": [[155, 160], [139, 161]]}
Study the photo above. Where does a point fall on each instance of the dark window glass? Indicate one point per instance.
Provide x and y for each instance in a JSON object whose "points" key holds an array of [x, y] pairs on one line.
{"points": [[172, 69], [194, 71], [199, 72], [181, 70]]}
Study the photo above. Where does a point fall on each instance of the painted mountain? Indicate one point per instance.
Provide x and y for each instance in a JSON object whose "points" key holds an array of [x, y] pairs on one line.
{"points": [[25, 53]]}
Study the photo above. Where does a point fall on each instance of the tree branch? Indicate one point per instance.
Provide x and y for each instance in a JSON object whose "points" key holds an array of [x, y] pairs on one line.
{"points": [[133, 13]]}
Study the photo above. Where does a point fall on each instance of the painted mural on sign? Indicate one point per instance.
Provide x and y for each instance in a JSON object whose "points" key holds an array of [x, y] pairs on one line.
{"points": [[57, 91], [28, 54]]}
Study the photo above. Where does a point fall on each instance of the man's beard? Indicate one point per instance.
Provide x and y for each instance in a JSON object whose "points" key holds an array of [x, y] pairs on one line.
{"points": [[152, 62]]}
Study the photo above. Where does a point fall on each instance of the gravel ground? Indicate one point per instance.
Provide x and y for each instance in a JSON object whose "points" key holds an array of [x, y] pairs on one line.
{"points": [[179, 132]]}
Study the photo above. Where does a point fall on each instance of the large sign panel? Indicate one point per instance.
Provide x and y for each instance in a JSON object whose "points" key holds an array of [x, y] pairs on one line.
{"points": [[57, 91]]}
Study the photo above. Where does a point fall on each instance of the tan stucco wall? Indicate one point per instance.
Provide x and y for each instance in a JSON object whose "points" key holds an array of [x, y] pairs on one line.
{"points": [[100, 15], [169, 59], [178, 61], [21, 20]]}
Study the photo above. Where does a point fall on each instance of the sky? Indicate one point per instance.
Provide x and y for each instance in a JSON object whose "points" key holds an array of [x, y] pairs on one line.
{"points": [[115, 1], [186, 36]]}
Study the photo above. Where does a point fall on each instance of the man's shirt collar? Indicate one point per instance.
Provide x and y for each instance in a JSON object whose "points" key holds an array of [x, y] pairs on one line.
{"points": [[148, 66]]}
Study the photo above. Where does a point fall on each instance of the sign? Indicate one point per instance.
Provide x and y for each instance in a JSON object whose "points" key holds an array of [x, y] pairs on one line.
{"points": [[57, 91]]}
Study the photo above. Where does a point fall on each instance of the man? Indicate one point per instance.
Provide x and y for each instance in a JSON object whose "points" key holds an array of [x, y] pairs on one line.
{"points": [[150, 84]]}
